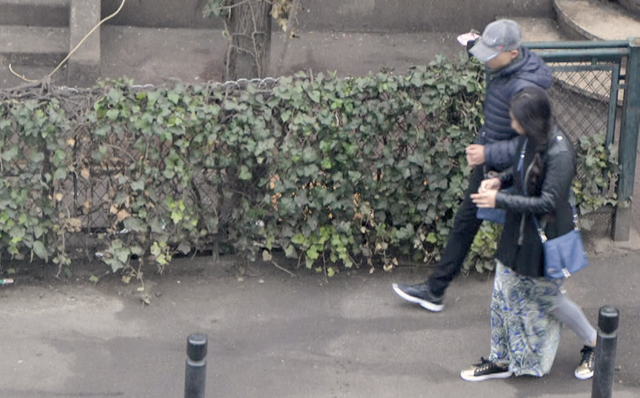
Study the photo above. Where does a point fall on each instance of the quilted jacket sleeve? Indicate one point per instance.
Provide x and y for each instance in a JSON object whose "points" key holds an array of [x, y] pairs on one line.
{"points": [[500, 154]]}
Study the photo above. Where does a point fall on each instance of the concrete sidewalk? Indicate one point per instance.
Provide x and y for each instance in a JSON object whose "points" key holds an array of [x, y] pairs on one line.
{"points": [[272, 335]]}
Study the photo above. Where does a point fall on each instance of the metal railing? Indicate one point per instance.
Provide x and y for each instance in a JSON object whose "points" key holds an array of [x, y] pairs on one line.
{"points": [[597, 89]]}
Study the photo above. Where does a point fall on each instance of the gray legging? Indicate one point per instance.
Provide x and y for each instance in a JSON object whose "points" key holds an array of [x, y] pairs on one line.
{"points": [[568, 312]]}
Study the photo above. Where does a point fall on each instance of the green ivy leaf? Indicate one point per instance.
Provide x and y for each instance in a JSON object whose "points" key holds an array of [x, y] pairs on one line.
{"points": [[309, 155], [138, 185], [176, 216], [134, 224], [245, 174], [60, 174], [309, 263], [113, 114], [173, 97], [290, 252], [315, 96], [10, 154], [38, 231], [298, 239], [40, 250]]}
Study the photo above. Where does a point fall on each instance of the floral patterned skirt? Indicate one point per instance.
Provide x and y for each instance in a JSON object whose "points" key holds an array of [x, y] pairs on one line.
{"points": [[523, 333]]}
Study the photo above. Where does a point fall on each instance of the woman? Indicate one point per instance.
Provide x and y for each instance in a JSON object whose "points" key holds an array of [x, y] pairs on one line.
{"points": [[526, 308]]}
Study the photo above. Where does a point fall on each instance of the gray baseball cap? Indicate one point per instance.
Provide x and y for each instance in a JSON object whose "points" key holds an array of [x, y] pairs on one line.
{"points": [[499, 36]]}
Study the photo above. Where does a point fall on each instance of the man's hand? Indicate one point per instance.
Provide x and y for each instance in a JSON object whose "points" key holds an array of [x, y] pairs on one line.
{"points": [[485, 199], [490, 184], [475, 155]]}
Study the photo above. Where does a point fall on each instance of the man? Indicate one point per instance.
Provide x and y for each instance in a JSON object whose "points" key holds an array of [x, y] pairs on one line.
{"points": [[510, 68]]}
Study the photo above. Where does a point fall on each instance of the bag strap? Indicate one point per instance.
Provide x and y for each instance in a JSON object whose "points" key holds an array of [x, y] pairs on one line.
{"points": [[572, 198]]}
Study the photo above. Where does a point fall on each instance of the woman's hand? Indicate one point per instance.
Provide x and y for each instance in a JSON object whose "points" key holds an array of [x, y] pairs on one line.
{"points": [[490, 184], [486, 198]]}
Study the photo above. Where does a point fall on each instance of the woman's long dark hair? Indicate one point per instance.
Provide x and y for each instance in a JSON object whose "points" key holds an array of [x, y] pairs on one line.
{"points": [[531, 107]]}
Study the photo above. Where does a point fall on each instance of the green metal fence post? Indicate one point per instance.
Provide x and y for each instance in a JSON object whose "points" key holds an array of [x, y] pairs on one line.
{"points": [[628, 143]]}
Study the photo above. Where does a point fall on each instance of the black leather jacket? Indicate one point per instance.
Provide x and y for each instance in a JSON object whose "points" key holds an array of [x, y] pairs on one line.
{"points": [[520, 247]]}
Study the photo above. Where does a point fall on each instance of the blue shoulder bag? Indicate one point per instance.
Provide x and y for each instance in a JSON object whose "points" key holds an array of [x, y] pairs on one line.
{"points": [[564, 255]]}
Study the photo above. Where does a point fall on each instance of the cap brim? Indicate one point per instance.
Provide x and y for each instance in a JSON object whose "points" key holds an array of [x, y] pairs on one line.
{"points": [[482, 52]]}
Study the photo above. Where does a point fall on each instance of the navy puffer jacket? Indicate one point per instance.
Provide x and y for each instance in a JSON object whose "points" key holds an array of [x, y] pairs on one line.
{"points": [[496, 133]]}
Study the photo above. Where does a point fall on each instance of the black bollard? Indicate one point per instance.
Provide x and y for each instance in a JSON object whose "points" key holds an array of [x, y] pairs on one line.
{"points": [[196, 371], [605, 352]]}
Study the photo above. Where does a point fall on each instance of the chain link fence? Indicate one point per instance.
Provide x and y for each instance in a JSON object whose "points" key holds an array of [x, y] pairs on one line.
{"points": [[581, 95], [585, 100]]}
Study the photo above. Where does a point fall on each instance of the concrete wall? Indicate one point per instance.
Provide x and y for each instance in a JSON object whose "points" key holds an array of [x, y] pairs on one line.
{"points": [[159, 13], [344, 15]]}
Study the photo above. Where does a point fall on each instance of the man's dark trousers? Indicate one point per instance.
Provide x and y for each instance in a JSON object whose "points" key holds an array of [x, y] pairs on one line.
{"points": [[465, 228]]}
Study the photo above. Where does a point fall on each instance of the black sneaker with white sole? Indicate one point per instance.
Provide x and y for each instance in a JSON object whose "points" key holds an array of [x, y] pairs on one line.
{"points": [[419, 294], [486, 370], [584, 371]]}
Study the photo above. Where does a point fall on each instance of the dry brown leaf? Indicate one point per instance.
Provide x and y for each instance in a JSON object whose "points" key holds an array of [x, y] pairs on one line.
{"points": [[86, 206], [123, 214], [75, 223]]}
